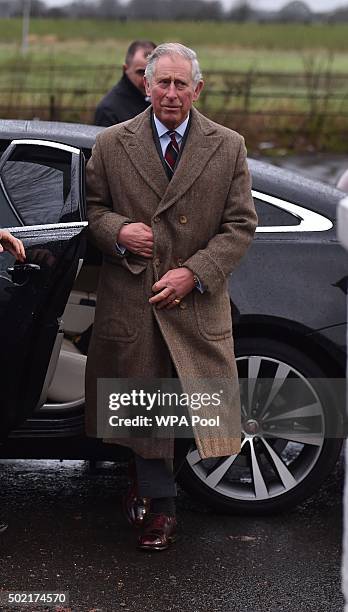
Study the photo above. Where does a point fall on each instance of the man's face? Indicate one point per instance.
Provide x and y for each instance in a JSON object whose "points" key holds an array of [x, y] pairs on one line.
{"points": [[135, 70], [171, 90]]}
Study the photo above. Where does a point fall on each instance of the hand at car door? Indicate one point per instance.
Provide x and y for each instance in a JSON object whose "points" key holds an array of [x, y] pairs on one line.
{"points": [[12, 245]]}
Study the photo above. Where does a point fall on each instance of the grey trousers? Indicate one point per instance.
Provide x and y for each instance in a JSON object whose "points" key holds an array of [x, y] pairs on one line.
{"points": [[155, 477]]}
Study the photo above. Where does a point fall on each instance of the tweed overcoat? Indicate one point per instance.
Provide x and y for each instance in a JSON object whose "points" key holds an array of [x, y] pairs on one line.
{"points": [[204, 219]]}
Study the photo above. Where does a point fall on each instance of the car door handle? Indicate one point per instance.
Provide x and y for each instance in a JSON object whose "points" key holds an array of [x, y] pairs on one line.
{"points": [[23, 268]]}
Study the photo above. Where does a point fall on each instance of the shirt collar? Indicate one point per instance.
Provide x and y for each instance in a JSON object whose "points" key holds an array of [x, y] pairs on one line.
{"points": [[162, 129]]}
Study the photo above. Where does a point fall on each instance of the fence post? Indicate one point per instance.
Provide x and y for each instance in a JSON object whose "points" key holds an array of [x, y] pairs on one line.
{"points": [[52, 109]]}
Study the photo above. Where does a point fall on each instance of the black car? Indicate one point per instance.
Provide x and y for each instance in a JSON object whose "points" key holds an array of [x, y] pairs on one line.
{"points": [[289, 316]]}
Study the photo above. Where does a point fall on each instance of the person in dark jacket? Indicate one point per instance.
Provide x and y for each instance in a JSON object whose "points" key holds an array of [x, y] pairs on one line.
{"points": [[127, 98]]}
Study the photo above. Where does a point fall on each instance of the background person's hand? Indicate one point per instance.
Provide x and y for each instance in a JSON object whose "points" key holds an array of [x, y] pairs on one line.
{"points": [[174, 284], [137, 238], [12, 245]]}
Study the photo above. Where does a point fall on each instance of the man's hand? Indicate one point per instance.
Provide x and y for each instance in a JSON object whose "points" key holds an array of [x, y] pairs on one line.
{"points": [[137, 238], [172, 287], [12, 245]]}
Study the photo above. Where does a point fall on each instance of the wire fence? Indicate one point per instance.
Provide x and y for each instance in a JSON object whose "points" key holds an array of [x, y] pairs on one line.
{"points": [[309, 107]]}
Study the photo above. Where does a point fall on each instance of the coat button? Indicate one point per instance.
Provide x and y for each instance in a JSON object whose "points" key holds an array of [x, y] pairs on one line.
{"points": [[157, 261], [183, 219], [182, 305], [157, 219]]}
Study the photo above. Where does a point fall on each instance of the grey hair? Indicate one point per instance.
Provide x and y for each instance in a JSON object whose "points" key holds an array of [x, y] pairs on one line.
{"points": [[173, 49]]}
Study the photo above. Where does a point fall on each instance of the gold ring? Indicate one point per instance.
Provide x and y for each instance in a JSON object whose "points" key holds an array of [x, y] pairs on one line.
{"points": [[177, 301]]}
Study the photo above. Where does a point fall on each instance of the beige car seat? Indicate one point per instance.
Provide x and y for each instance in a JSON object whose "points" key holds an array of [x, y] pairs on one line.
{"points": [[68, 382]]}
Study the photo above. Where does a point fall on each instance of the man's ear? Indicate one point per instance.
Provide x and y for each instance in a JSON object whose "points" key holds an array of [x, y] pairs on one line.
{"points": [[147, 87], [125, 68], [198, 90]]}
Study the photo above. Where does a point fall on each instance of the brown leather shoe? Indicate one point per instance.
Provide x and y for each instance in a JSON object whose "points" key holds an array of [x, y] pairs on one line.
{"points": [[159, 532], [135, 508]]}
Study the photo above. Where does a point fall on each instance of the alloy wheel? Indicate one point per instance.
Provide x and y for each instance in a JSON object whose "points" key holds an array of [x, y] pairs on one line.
{"points": [[282, 434]]}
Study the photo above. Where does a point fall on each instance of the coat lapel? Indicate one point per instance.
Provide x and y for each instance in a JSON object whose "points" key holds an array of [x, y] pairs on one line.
{"points": [[139, 144], [200, 146]]}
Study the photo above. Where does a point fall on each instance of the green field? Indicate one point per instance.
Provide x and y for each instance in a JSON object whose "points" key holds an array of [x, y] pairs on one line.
{"points": [[111, 53], [71, 63], [220, 45], [334, 37]]}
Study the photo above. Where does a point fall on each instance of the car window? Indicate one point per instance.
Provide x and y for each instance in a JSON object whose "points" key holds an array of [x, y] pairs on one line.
{"points": [[273, 216], [30, 174]]}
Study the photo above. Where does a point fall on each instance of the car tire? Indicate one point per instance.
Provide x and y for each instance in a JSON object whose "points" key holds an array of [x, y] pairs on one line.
{"points": [[272, 474]]}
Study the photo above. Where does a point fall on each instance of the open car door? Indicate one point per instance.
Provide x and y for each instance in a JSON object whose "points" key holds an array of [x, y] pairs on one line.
{"points": [[42, 203]]}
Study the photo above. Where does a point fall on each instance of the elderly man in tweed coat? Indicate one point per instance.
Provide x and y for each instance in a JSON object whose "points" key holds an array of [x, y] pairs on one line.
{"points": [[170, 207]]}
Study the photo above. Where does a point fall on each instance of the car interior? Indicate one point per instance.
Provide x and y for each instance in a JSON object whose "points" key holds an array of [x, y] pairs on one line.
{"points": [[66, 389]]}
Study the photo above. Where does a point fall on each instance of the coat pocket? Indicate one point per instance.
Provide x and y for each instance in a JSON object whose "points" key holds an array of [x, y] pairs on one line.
{"points": [[133, 263], [213, 314], [120, 303]]}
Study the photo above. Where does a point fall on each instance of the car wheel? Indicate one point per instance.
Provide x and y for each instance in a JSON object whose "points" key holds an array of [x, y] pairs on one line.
{"points": [[285, 454]]}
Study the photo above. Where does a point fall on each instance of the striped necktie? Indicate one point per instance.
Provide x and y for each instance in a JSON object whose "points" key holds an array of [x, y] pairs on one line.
{"points": [[172, 152]]}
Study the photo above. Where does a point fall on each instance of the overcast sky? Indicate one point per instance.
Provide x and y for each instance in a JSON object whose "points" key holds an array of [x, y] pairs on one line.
{"points": [[315, 5]]}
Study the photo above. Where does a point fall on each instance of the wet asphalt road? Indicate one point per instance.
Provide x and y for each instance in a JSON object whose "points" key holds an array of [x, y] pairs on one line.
{"points": [[67, 533]]}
